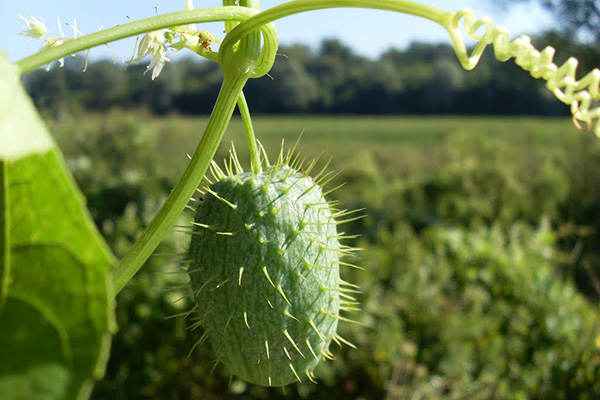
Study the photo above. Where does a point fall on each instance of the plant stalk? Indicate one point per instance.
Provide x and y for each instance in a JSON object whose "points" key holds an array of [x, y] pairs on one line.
{"points": [[300, 6], [187, 185], [252, 144]]}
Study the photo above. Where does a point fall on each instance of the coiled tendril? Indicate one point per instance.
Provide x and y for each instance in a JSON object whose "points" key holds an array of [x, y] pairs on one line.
{"points": [[580, 95]]}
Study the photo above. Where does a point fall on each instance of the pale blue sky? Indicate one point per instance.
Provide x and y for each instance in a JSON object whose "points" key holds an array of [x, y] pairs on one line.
{"points": [[368, 32]]}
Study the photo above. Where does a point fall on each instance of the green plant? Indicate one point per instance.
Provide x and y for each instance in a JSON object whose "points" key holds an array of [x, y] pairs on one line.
{"points": [[485, 316], [57, 291]]}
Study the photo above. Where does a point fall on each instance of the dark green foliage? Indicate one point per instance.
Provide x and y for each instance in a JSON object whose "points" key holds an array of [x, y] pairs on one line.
{"points": [[483, 316], [56, 303], [471, 285], [480, 185]]}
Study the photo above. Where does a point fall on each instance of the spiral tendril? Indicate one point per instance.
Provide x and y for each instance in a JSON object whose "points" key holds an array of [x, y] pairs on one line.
{"points": [[581, 95]]}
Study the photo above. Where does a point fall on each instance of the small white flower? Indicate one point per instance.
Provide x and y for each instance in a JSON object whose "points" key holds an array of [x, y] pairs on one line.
{"points": [[53, 42], [153, 44], [37, 28], [190, 38]]}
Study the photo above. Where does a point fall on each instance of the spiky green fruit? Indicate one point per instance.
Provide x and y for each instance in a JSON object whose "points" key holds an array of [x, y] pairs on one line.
{"points": [[265, 274]]}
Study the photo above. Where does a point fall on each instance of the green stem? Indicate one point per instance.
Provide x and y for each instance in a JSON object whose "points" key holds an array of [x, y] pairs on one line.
{"points": [[247, 120], [299, 6], [189, 5], [176, 202], [178, 18], [229, 25]]}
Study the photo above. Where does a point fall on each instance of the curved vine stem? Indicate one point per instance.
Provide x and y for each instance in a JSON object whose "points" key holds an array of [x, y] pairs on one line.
{"points": [[214, 14], [179, 197], [300, 6]]}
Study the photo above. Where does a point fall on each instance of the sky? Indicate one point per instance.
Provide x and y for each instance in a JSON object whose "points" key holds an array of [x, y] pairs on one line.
{"points": [[367, 32]]}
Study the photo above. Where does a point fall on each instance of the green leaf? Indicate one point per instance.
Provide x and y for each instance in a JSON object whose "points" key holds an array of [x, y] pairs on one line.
{"points": [[56, 307]]}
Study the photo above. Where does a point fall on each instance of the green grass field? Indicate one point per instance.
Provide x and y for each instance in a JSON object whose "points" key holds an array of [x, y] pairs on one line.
{"points": [[398, 144], [334, 134]]}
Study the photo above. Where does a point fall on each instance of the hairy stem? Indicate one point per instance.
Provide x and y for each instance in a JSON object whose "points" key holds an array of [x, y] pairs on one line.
{"points": [[189, 5], [299, 6]]}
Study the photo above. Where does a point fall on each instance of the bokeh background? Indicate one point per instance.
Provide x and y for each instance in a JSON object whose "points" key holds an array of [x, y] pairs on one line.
{"points": [[481, 246]]}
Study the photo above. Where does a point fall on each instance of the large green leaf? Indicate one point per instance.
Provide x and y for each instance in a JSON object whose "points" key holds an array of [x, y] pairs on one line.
{"points": [[56, 308]]}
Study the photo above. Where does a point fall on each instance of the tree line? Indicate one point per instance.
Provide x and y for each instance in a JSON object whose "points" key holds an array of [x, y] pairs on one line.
{"points": [[422, 79]]}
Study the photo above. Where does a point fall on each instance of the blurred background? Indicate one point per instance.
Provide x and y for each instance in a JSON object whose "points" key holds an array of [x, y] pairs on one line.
{"points": [[481, 245]]}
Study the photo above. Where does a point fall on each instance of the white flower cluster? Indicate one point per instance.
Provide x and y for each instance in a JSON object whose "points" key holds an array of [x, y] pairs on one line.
{"points": [[153, 44], [156, 44], [37, 30]]}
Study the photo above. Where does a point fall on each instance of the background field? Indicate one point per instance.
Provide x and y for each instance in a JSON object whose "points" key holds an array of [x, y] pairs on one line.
{"points": [[480, 254], [400, 145]]}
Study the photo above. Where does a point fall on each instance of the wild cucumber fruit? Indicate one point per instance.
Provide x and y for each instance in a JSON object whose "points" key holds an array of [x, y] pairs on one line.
{"points": [[265, 273]]}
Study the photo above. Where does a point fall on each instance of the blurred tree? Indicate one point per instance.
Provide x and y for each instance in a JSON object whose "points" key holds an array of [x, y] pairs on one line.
{"points": [[439, 93], [579, 18], [379, 89], [424, 78], [104, 85], [330, 71], [201, 83], [288, 88], [52, 89]]}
